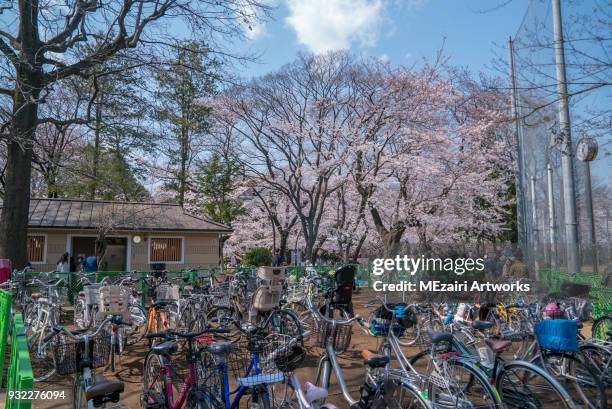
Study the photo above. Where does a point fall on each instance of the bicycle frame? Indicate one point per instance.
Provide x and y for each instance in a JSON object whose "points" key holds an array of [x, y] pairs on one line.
{"points": [[329, 362]]}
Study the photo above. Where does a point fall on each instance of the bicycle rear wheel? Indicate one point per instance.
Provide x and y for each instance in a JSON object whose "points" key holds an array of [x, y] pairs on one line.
{"points": [[579, 378], [523, 385]]}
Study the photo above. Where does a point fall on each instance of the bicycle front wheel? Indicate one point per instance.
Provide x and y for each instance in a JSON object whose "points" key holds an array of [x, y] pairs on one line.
{"points": [[602, 328], [403, 395], [523, 385], [462, 385]]}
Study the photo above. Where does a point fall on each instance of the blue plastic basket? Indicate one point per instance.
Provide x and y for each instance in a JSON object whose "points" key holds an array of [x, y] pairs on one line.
{"points": [[557, 335], [380, 328]]}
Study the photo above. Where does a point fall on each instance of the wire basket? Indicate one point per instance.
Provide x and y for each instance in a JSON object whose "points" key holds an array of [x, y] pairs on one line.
{"points": [[69, 354], [296, 293], [322, 330], [58, 295], [167, 292], [114, 300], [221, 294], [264, 358], [92, 294]]}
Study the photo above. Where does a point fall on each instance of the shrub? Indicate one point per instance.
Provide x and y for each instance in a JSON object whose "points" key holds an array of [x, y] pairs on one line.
{"points": [[257, 256]]}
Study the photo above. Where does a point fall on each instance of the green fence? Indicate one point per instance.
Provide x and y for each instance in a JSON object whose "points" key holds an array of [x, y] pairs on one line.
{"points": [[190, 277], [20, 379], [5, 314], [602, 296]]}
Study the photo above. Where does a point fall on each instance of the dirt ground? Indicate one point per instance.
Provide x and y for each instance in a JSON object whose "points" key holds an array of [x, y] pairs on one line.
{"points": [[129, 369]]}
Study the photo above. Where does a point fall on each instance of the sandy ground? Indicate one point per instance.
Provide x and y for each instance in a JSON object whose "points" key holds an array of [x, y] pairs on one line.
{"points": [[129, 370]]}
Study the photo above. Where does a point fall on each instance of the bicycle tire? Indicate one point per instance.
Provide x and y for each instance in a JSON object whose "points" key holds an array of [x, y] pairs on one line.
{"points": [[587, 386], [511, 378], [600, 358], [465, 391], [153, 389], [286, 322], [602, 327], [409, 395], [43, 363]]}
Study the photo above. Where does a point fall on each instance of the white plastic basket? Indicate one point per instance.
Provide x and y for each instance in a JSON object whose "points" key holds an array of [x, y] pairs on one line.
{"points": [[92, 294], [167, 292], [114, 300]]}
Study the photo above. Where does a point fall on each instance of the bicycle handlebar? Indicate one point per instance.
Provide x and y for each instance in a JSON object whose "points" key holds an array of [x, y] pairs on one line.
{"points": [[336, 321], [169, 333], [61, 329]]}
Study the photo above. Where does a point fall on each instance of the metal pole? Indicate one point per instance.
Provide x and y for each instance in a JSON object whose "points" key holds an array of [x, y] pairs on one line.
{"points": [[535, 232], [551, 218], [567, 158], [520, 192], [589, 213]]}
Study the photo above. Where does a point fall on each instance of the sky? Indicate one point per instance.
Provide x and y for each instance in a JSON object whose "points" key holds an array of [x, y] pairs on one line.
{"points": [[400, 31]]}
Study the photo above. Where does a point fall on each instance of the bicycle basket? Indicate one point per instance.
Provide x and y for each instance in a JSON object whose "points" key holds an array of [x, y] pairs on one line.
{"points": [[322, 330], [380, 328], [557, 335], [92, 294], [70, 354], [167, 292], [114, 300], [262, 358], [58, 295]]}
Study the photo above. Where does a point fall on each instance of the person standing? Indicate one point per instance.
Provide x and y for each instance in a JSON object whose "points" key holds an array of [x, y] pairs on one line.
{"points": [[63, 264], [276, 259], [90, 264]]}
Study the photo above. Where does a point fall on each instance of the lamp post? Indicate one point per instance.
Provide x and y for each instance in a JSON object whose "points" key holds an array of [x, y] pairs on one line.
{"points": [[586, 151]]}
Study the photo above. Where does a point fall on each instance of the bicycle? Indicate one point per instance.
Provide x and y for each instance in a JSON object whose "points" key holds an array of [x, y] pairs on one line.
{"points": [[440, 382], [86, 352], [40, 316], [516, 383]]}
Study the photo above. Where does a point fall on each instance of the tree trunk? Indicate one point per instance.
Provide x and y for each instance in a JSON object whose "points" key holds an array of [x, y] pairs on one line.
{"points": [[391, 242], [282, 247], [95, 162], [182, 177], [16, 204]]}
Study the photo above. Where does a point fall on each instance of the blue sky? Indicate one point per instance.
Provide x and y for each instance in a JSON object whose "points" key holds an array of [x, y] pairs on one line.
{"points": [[402, 31]]}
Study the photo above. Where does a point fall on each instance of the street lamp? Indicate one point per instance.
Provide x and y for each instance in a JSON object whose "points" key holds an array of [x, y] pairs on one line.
{"points": [[586, 151]]}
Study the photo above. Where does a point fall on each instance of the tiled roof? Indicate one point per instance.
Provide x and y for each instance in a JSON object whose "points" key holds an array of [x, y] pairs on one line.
{"points": [[93, 214]]}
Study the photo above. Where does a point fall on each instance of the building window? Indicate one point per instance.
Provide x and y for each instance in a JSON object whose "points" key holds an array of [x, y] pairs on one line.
{"points": [[166, 250], [36, 249]]}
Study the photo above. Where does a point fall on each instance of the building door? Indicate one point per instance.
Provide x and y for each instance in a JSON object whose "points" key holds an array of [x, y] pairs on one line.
{"points": [[115, 258], [83, 247], [116, 254]]}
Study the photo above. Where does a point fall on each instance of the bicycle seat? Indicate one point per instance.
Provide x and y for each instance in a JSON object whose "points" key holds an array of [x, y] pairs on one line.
{"points": [[374, 360], [160, 304], [36, 296], [221, 348], [165, 348], [497, 345], [482, 325], [439, 337], [103, 387]]}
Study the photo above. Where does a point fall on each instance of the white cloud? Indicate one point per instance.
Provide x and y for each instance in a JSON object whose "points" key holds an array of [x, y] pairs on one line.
{"points": [[384, 58], [326, 25]]}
